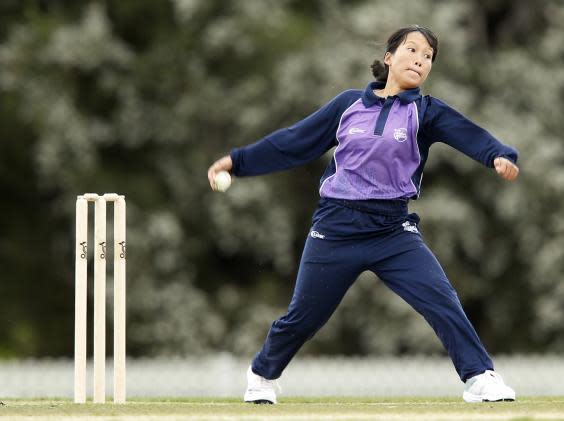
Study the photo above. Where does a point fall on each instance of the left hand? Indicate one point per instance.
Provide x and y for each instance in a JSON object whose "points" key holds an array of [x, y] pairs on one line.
{"points": [[506, 169]]}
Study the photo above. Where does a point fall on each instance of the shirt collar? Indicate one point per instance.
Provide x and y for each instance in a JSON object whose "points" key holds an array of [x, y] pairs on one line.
{"points": [[369, 98]]}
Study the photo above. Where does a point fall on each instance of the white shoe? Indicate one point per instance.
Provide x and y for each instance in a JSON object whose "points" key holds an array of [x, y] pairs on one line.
{"points": [[259, 389], [487, 387]]}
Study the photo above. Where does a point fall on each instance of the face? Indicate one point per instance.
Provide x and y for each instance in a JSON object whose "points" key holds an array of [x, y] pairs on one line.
{"points": [[411, 63]]}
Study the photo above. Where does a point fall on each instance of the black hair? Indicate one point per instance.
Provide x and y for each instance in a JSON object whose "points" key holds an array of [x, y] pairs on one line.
{"points": [[380, 69]]}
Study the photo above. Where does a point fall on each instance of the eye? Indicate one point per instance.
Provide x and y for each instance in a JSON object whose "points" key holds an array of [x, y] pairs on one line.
{"points": [[428, 56], [411, 49]]}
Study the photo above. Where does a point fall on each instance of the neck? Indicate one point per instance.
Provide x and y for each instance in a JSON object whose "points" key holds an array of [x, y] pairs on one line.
{"points": [[392, 88]]}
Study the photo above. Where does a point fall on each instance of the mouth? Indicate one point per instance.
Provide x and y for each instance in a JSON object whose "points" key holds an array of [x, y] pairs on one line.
{"points": [[414, 71]]}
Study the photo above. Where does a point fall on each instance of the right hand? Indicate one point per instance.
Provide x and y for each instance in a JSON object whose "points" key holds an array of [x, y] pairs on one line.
{"points": [[506, 169], [222, 164]]}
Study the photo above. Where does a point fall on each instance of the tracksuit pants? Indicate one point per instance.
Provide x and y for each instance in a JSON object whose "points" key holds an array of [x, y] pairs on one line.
{"points": [[348, 238]]}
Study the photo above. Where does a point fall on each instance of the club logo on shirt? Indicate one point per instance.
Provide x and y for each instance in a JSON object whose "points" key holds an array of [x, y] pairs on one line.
{"points": [[356, 130], [315, 234], [400, 135]]}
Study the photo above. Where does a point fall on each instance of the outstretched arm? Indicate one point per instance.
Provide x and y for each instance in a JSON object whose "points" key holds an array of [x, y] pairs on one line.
{"points": [[447, 125], [286, 148], [296, 145]]}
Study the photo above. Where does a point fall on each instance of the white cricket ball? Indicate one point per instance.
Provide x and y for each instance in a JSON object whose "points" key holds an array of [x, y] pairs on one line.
{"points": [[222, 181]]}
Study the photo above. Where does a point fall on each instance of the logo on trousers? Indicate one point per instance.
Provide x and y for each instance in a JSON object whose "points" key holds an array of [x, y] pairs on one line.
{"points": [[315, 234], [410, 227]]}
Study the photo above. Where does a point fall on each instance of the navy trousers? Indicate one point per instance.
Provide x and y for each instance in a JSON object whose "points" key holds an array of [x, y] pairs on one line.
{"points": [[347, 238]]}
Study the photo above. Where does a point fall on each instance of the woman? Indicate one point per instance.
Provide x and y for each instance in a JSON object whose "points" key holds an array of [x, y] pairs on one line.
{"points": [[382, 137]]}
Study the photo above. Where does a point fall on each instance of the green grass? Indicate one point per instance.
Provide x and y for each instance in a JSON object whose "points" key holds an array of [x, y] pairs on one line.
{"points": [[290, 409]]}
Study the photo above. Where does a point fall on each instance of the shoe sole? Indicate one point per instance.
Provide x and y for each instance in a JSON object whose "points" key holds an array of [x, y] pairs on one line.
{"points": [[260, 398], [499, 400], [468, 397], [261, 402]]}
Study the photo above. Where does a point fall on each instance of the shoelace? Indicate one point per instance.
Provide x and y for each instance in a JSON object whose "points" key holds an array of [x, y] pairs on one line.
{"points": [[268, 383], [495, 376], [261, 383]]}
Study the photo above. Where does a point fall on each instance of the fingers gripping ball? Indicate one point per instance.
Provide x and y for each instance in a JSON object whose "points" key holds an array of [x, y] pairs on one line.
{"points": [[222, 181]]}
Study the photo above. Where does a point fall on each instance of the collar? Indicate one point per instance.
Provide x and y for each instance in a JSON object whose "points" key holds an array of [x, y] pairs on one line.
{"points": [[369, 98]]}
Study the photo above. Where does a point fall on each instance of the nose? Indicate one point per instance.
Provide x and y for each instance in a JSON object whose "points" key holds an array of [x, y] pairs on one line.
{"points": [[418, 63]]}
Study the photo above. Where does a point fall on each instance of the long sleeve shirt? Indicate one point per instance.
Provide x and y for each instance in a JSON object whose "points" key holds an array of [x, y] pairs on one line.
{"points": [[382, 144]]}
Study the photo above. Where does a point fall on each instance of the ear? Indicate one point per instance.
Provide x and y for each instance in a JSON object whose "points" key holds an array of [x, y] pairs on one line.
{"points": [[388, 58]]}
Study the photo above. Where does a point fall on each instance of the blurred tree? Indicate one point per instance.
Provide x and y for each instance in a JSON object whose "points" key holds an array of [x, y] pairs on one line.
{"points": [[139, 97]]}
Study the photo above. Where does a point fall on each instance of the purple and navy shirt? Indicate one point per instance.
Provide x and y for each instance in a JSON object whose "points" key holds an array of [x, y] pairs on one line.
{"points": [[382, 144]]}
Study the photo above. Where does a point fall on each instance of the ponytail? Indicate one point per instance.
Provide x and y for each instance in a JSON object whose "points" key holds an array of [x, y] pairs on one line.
{"points": [[379, 70]]}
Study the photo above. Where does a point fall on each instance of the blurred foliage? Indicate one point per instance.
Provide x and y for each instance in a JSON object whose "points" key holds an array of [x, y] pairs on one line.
{"points": [[139, 97]]}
